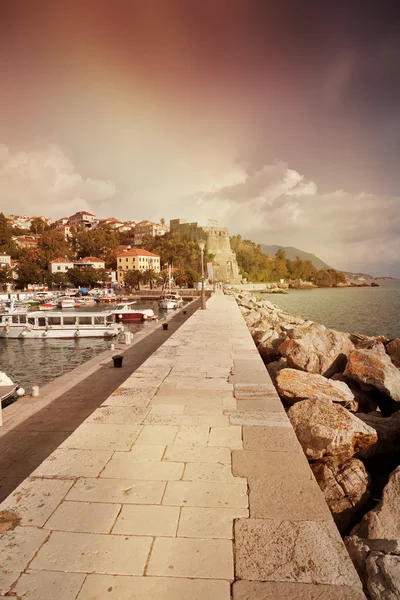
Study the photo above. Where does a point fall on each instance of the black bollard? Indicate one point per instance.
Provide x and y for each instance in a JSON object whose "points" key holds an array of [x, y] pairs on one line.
{"points": [[118, 361], [165, 326]]}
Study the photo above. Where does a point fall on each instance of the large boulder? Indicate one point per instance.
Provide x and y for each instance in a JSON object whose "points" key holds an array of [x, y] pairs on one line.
{"points": [[388, 432], [393, 349], [383, 521], [314, 348], [378, 565], [275, 367], [365, 342], [327, 429], [345, 486], [374, 371], [294, 386]]}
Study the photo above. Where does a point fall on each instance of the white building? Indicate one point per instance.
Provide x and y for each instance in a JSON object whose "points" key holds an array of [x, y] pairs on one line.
{"points": [[90, 261], [5, 260], [60, 265], [83, 219]]}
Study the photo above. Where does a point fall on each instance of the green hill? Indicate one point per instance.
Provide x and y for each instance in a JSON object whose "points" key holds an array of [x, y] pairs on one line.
{"points": [[292, 252]]}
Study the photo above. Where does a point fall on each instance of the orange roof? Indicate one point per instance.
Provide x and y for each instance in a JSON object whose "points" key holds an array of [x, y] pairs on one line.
{"points": [[91, 259], [138, 252], [61, 260]]}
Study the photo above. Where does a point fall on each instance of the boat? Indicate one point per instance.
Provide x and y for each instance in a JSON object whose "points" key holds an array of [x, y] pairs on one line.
{"points": [[47, 306], [66, 302], [9, 392], [58, 325], [126, 312], [169, 298]]}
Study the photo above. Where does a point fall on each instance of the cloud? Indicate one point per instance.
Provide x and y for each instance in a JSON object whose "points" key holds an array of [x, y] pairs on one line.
{"points": [[278, 205], [46, 181]]}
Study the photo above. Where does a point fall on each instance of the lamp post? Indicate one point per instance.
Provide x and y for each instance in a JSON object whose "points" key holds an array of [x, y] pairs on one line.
{"points": [[202, 245]]}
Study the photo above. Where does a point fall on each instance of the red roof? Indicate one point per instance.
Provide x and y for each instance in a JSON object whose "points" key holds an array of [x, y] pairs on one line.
{"points": [[61, 260], [82, 212], [138, 252], [91, 259]]}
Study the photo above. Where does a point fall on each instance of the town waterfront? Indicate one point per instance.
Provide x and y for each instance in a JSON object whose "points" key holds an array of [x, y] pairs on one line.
{"points": [[372, 311], [37, 362]]}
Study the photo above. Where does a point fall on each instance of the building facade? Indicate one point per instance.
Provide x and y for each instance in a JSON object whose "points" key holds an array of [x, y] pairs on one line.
{"points": [[83, 219], [148, 228], [60, 265], [225, 266], [90, 261], [136, 258]]}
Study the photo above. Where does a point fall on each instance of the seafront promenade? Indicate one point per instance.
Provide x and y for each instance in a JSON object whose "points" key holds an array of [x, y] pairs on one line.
{"points": [[186, 483]]}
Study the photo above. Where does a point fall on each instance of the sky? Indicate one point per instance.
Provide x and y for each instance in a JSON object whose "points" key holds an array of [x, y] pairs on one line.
{"points": [[281, 119]]}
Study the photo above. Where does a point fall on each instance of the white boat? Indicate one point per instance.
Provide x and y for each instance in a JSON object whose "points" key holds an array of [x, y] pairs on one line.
{"points": [[8, 390], [170, 299], [127, 312], [58, 325], [66, 302]]}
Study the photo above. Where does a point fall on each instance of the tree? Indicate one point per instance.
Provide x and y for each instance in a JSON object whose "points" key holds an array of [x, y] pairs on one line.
{"points": [[28, 272], [57, 279], [51, 245], [101, 242], [132, 278], [6, 276], [37, 226], [162, 222], [83, 276], [280, 254], [5, 231], [149, 276], [192, 277], [180, 277]]}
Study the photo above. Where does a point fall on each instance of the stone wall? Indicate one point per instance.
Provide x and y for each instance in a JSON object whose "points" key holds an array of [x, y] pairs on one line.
{"points": [[218, 243]]}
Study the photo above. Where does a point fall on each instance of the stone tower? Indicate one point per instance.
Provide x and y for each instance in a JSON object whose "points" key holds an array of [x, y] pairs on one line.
{"points": [[217, 240]]}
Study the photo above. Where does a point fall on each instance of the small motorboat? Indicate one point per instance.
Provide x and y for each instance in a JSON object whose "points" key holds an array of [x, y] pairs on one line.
{"points": [[47, 306], [66, 302], [127, 312], [9, 392]]}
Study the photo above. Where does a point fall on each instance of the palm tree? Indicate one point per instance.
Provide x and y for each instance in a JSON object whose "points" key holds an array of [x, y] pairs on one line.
{"points": [[180, 277], [150, 276], [132, 278]]}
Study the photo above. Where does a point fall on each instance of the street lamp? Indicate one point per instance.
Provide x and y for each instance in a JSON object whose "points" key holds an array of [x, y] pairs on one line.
{"points": [[202, 246]]}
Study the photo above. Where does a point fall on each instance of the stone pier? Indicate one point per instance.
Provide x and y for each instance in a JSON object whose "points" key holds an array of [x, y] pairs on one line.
{"points": [[186, 483]]}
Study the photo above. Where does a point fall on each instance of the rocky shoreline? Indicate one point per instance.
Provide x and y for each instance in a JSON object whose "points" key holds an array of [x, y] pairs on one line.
{"points": [[342, 396]]}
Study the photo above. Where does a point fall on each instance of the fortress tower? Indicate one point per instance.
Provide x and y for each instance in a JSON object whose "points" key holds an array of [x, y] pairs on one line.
{"points": [[217, 240]]}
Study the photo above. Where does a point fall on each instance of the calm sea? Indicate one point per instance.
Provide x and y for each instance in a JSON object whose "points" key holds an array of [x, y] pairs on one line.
{"points": [[373, 311], [37, 362]]}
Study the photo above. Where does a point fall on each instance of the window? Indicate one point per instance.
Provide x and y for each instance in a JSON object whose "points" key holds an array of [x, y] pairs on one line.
{"points": [[85, 320], [69, 320], [42, 321], [22, 319], [100, 320], [58, 268], [31, 320], [15, 319], [120, 260], [126, 259], [54, 320]]}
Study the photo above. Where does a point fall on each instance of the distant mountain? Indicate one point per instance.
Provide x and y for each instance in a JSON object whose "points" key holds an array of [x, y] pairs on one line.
{"points": [[357, 276], [292, 252]]}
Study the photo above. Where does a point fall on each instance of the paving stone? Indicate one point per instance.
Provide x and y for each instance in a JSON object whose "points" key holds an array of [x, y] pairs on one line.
{"points": [[250, 590], [257, 463], [48, 585], [184, 557], [213, 420], [121, 466], [35, 500], [154, 419], [211, 472], [271, 438], [66, 463], [167, 409], [89, 517], [93, 553], [188, 493], [208, 522], [17, 548], [303, 552], [148, 520], [118, 414], [131, 397], [258, 418], [195, 454], [157, 434], [102, 436], [97, 587], [121, 491], [144, 453], [192, 436], [230, 437]]}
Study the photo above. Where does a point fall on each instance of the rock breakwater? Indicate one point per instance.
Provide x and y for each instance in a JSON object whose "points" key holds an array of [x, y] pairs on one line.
{"points": [[342, 394]]}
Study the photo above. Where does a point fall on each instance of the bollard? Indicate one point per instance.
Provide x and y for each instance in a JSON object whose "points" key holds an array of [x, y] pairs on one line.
{"points": [[112, 347], [118, 361], [185, 312], [165, 326], [35, 391], [127, 337]]}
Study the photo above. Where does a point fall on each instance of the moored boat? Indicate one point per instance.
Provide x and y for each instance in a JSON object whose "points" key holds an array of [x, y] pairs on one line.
{"points": [[66, 302], [9, 391], [58, 325], [127, 312], [48, 306], [169, 298]]}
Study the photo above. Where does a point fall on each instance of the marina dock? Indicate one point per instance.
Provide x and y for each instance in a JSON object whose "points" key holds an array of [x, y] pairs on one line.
{"points": [[182, 480]]}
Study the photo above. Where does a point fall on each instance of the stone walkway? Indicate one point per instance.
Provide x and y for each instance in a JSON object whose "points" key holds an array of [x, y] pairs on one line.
{"points": [[149, 498]]}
